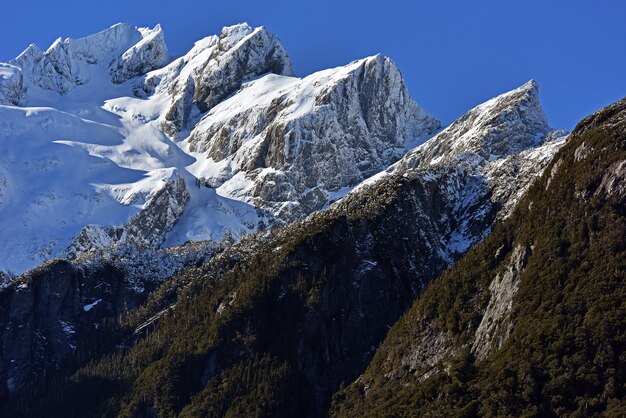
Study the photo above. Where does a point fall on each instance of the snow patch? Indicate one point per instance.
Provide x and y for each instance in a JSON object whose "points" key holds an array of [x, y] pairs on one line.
{"points": [[92, 305]]}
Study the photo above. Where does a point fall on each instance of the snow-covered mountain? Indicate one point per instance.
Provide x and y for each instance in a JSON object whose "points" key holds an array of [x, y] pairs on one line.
{"points": [[115, 156], [106, 140], [334, 281], [287, 144]]}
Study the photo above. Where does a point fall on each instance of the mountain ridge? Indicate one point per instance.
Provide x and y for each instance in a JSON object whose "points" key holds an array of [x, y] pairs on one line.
{"points": [[214, 236], [344, 274], [530, 322], [124, 125]]}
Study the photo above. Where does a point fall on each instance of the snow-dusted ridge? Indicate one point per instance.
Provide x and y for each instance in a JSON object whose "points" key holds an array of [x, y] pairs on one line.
{"points": [[105, 141], [485, 161], [123, 50]]}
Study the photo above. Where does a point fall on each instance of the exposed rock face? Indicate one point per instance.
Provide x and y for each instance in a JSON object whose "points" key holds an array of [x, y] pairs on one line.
{"points": [[423, 356], [215, 68], [510, 177], [613, 182], [148, 54], [286, 144], [11, 83], [491, 155], [50, 315], [148, 227], [68, 63], [496, 325], [504, 125], [63, 313]]}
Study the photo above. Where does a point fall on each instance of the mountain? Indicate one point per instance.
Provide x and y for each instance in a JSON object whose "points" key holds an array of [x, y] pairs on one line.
{"points": [[531, 321], [108, 141], [275, 323], [210, 235], [287, 144]]}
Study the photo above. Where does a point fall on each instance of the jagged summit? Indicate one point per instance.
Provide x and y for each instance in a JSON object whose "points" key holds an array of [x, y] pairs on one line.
{"points": [[146, 55], [503, 125], [288, 144], [109, 140], [123, 50], [214, 69], [485, 160]]}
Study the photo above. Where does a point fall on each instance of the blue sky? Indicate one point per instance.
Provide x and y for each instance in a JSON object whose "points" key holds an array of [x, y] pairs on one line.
{"points": [[453, 54]]}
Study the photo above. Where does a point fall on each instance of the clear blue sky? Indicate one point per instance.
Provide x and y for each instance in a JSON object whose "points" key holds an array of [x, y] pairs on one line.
{"points": [[453, 54]]}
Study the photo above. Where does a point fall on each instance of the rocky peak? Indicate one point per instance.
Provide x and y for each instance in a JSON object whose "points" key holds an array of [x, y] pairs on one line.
{"points": [[146, 55], [484, 162], [505, 125], [288, 144], [67, 63], [231, 35], [215, 68]]}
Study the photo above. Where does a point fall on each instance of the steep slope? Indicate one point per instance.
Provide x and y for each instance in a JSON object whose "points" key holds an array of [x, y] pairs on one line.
{"points": [[214, 69], [62, 313], [531, 321], [487, 159], [275, 324], [100, 140], [287, 144]]}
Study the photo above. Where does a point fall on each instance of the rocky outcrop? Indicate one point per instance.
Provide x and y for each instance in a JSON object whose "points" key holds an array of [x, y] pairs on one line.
{"points": [[148, 54], [147, 228], [48, 316], [509, 178], [287, 145], [215, 68], [613, 182], [11, 84], [495, 325], [505, 125], [491, 155]]}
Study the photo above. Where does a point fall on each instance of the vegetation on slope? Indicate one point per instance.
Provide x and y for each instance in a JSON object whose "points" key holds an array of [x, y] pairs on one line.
{"points": [[564, 354], [271, 327]]}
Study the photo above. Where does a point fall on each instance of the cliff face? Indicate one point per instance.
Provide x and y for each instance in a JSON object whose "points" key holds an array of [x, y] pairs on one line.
{"points": [[290, 145], [214, 69], [51, 316]]}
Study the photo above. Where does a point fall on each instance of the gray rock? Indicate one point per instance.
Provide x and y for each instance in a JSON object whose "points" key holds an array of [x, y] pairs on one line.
{"points": [[11, 84], [215, 68], [147, 228], [285, 138]]}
